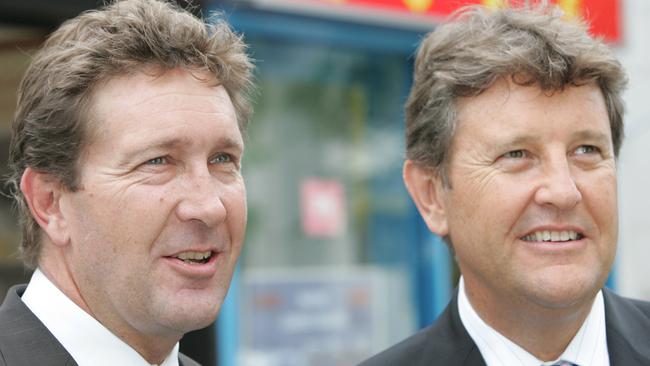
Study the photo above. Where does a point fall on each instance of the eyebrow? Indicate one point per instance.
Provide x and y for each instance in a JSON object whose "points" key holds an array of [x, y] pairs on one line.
{"points": [[518, 140], [589, 135], [593, 136]]}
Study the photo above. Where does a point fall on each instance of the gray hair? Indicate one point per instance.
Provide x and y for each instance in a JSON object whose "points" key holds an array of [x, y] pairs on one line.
{"points": [[50, 126], [465, 56]]}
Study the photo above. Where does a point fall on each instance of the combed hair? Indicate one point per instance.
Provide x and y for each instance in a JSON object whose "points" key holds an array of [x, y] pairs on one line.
{"points": [[533, 45], [50, 125]]}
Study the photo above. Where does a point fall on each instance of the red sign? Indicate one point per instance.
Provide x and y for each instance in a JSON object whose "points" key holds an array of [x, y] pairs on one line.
{"points": [[602, 15], [323, 207]]}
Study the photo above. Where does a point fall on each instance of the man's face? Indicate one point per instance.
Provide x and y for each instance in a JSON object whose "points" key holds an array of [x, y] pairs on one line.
{"points": [[158, 222], [532, 208]]}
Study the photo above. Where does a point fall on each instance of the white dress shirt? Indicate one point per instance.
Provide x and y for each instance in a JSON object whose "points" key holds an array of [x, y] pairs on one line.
{"points": [[87, 340], [587, 348]]}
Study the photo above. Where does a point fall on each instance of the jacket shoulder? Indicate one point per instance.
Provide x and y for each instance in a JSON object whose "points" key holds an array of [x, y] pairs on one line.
{"points": [[24, 340], [405, 352], [623, 310], [186, 361], [446, 342], [628, 329]]}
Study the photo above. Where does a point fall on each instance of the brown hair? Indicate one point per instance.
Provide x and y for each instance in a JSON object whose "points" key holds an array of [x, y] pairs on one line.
{"points": [[534, 45], [50, 126]]}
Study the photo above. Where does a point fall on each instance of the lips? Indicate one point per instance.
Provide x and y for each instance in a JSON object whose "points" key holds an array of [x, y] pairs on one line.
{"points": [[553, 236], [194, 257], [196, 263]]}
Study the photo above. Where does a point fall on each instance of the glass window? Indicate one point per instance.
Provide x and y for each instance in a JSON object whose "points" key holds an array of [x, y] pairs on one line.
{"points": [[328, 262]]}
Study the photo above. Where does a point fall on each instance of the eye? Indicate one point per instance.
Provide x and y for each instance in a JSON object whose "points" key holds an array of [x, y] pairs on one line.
{"points": [[157, 161], [222, 158], [586, 149], [515, 154], [515, 161]]}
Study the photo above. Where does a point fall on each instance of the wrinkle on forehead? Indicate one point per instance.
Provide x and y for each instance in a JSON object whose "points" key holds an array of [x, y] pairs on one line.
{"points": [[157, 90]]}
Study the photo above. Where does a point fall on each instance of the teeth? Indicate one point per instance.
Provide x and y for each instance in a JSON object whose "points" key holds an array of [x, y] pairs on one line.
{"points": [[558, 236], [196, 256]]}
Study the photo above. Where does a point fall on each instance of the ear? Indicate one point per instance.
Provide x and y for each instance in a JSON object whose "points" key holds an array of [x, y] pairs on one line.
{"points": [[43, 192], [427, 191]]}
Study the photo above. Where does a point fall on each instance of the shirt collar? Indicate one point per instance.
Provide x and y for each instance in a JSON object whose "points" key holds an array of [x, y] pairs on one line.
{"points": [[587, 348], [86, 339]]}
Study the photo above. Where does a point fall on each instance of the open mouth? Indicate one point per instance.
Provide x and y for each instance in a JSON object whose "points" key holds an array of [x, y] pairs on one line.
{"points": [[194, 257], [552, 236]]}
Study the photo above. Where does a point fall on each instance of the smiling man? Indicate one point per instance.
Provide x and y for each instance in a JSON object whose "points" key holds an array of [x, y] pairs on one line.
{"points": [[126, 158], [514, 123]]}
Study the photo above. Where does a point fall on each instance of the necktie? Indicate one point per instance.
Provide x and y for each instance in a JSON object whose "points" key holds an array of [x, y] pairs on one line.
{"points": [[564, 363]]}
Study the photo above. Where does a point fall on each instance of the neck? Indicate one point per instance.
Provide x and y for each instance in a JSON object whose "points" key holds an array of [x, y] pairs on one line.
{"points": [[153, 348], [543, 331]]}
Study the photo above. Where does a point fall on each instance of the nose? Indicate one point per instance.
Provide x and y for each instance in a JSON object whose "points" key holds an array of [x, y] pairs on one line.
{"points": [[559, 188], [201, 200]]}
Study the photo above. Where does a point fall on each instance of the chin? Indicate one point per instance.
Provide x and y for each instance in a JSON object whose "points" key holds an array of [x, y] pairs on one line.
{"points": [[195, 311], [567, 291], [193, 319]]}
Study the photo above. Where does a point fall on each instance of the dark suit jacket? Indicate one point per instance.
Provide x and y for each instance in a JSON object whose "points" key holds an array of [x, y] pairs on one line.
{"points": [[25, 341], [447, 343]]}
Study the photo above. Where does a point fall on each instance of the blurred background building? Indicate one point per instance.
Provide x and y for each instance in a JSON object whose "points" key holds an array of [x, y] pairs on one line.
{"points": [[337, 263]]}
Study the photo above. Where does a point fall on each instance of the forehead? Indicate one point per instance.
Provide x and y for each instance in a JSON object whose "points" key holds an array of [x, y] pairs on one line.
{"points": [[508, 108], [147, 100], [147, 87]]}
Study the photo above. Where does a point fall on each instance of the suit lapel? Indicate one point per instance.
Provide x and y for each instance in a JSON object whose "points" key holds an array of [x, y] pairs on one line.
{"points": [[447, 342], [628, 330], [452, 345], [186, 361], [24, 340], [472, 354]]}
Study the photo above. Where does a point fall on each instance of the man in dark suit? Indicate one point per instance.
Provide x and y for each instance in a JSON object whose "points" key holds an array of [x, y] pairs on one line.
{"points": [[514, 123], [126, 169]]}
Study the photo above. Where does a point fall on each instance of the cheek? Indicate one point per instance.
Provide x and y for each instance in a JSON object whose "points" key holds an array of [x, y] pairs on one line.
{"points": [[601, 199], [485, 216], [234, 200], [493, 203], [132, 220]]}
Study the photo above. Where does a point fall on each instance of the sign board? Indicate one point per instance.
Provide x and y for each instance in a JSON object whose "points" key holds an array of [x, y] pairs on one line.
{"points": [[313, 317], [602, 15]]}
